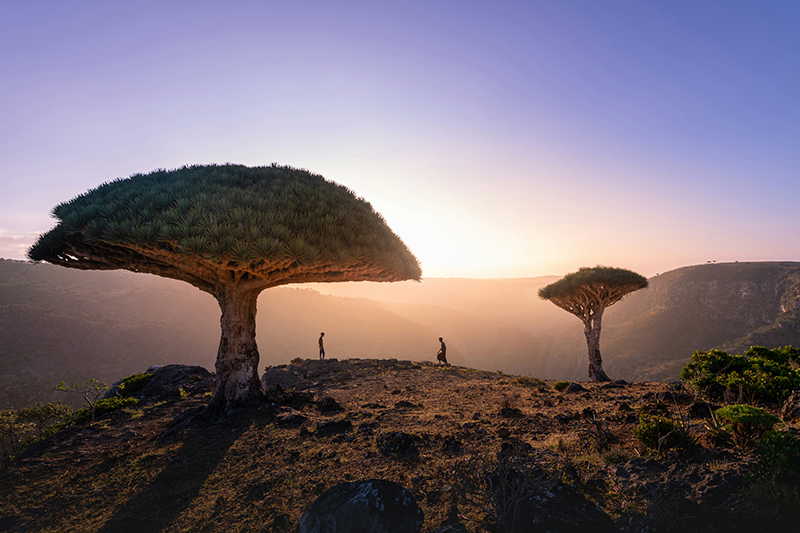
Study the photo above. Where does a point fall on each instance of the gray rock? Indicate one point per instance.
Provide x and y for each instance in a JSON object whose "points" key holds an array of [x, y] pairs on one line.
{"points": [[369, 506], [283, 375], [332, 427], [561, 510], [702, 409], [167, 382], [574, 387], [329, 404]]}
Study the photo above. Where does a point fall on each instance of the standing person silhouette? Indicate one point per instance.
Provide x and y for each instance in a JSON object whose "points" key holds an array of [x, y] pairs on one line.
{"points": [[321, 347], [441, 355]]}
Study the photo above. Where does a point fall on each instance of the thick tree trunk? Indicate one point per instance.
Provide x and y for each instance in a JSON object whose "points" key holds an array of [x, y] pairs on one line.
{"points": [[591, 328], [237, 380]]}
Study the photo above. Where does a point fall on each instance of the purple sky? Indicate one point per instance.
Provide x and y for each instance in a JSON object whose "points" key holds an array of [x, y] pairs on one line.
{"points": [[498, 139]]}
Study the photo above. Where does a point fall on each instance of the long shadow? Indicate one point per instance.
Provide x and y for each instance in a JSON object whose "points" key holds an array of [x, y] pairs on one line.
{"points": [[174, 488]]}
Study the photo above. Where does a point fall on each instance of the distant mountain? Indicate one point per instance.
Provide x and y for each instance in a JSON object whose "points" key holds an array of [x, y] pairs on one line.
{"points": [[58, 324]]}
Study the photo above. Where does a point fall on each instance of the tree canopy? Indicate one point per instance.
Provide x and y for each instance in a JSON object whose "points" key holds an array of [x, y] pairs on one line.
{"points": [[589, 287], [264, 225]]}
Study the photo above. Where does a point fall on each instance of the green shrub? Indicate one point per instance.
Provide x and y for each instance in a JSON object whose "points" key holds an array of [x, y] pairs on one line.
{"points": [[717, 431], [102, 407], [768, 505], [44, 415], [760, 374], [297, 361], [747, 422], [134, 383], [561, 386], [778, 457], [660, 433]]}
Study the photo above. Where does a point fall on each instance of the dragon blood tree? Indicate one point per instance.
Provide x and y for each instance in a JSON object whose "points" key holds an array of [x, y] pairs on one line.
{"points": [[586, 294], [231, 231]]}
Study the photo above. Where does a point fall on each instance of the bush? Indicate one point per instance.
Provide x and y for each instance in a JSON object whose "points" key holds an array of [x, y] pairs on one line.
{"points": [[760, 374], [660, 433], [133, 384], [771, 499], [102, 407], [44, 415], [768, 505], [747, 422], [778, 458], [561, 386]]}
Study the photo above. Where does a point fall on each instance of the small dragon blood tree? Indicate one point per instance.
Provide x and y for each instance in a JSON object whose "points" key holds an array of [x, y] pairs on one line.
{"points": [[586, 294], [231, 231]]}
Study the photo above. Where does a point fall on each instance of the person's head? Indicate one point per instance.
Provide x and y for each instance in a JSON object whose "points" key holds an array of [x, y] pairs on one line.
{"points": [[440, 339], [322, 334]]}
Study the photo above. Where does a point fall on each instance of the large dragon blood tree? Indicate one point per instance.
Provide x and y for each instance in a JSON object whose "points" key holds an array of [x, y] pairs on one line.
{"points": [[231, 231], [586, 294]]}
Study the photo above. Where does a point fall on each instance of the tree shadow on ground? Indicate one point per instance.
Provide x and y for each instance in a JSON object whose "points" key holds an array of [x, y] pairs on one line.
{"points": [[179, 483]]}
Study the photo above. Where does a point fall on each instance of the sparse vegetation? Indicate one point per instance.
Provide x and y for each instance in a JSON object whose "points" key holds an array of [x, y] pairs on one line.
{"points": [[747, 423], [771, 497], [102, 407], [500, 485], [658, 433], [717, 431], [133, 384], [21, 427], [759, 375], [91, 391], [459, 456], [561, 386]]}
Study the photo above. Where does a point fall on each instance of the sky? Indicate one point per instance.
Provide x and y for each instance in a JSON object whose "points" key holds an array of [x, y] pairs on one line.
{"points": [[498, 139]]}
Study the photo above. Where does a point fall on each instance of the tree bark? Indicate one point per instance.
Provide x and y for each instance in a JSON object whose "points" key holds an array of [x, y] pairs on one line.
{"points": [[237, 382], [591, 328]]}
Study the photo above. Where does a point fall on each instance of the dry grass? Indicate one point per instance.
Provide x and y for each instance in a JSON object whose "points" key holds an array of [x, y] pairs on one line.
{"points": [[249, 473]]}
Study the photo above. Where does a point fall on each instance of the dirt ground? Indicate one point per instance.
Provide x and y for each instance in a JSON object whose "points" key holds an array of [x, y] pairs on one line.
{"points": [[327, 422]]}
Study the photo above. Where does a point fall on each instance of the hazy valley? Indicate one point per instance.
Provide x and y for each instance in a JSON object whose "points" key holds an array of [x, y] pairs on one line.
{"points": [[62, 325]]}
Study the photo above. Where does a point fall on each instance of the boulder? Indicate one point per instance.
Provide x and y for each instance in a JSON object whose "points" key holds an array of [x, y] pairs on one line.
{"points": [[327, 404], [369, 506], [702, 409], [562, 509], [167, 382], [283, 375], [326, 428], [575, 387]]}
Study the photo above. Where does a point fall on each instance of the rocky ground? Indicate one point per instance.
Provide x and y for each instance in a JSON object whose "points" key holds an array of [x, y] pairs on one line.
{"points": [[453, 437]]}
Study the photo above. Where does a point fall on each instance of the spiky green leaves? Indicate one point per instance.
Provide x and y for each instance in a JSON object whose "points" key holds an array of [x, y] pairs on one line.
{"points": [[228, 217]]}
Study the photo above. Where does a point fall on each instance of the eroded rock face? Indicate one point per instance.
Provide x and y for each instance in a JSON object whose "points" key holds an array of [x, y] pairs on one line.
{"points": [[369, 506]]}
